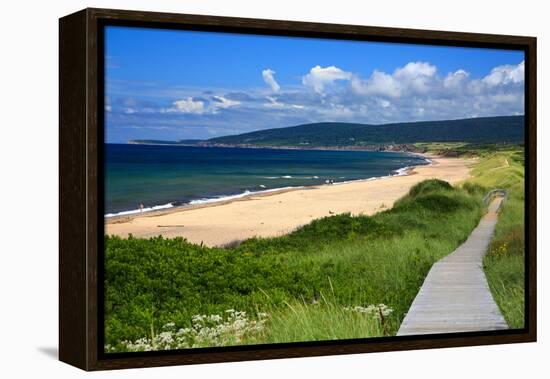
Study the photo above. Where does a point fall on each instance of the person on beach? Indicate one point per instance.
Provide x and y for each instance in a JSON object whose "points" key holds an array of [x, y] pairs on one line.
{"points": [[141, 206]]}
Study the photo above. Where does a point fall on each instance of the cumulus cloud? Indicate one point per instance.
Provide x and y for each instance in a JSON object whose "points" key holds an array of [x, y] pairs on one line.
{"points": [[319, 77], [414, 77], [416, 91], [197, 106], [378, 84], [269, 78], [456, 79], [506, 74], [188, 105], [414, 70]]}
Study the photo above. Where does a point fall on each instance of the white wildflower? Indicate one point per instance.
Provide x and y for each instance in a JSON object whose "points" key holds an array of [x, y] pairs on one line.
{"points": [[206, 330], [377, 311], [215, 318]]}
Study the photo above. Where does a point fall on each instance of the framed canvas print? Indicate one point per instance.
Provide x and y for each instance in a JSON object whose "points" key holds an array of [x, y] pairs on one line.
{"points": [[239, 189]]}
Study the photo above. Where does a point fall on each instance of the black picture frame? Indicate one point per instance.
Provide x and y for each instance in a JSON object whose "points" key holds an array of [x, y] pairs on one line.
{"points": [[81, 105]]}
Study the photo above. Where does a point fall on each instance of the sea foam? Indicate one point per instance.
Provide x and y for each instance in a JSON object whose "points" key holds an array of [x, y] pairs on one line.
{"points": [[135, 211]]}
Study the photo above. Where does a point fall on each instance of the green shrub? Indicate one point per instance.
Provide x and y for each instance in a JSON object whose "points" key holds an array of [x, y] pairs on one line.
{"points": [[430, 186]]}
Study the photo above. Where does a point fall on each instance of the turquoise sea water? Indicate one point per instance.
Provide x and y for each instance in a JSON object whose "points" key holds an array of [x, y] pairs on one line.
{"points": [[167, 176]]}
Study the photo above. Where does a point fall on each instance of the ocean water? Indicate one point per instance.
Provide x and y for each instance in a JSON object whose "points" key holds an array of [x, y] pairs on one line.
{"points": [[166, 176]]}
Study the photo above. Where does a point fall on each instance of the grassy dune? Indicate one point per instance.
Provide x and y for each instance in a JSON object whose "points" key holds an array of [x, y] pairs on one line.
{"points": [[337, 277]]}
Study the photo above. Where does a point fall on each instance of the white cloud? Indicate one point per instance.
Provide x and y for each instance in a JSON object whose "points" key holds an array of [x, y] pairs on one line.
{"points": [[379, 84], [456, 79], [108, 107], [476, 87], [269, 78], [191, 105], [416, 76], [319, 77], [415, 69], [506, 74], [511, 98], [222, 102], [275, 103], [188, 106], [384, 103]]}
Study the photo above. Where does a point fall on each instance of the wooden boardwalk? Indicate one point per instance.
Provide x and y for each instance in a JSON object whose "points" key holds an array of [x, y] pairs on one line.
{"points": [[455, 296]]}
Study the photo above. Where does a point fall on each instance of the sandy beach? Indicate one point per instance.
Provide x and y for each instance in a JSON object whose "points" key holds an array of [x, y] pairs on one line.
{"points": [[278, 213]]}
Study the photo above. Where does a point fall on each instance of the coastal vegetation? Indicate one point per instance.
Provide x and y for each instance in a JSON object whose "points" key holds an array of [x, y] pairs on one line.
{"points": [[337, 277]]}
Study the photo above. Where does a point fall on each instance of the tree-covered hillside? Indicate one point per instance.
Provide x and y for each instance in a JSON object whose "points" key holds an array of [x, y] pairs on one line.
{"points": [[509, 129]]}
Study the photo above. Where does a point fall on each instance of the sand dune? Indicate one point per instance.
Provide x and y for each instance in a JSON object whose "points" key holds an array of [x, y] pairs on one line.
{"points": [[278, 213]]}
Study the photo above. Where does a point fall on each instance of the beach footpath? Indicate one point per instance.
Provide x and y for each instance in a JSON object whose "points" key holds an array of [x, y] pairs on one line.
{"points": [[455, 296]]}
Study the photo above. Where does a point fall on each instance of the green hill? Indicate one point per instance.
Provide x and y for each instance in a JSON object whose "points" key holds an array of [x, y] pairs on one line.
{"points": [[504, 129]]}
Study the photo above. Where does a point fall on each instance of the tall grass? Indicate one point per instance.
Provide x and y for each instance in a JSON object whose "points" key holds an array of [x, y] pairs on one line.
{"points": [[325, 319], [505, 263]]}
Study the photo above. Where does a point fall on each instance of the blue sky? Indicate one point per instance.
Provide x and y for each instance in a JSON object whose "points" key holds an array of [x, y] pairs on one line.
{"points": [[165, 84]]}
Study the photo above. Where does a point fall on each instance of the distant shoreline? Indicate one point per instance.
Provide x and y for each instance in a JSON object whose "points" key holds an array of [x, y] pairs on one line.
{"points": [[280, 212], [199, 203], [276, 191], [382, 148], [166, 209]]}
